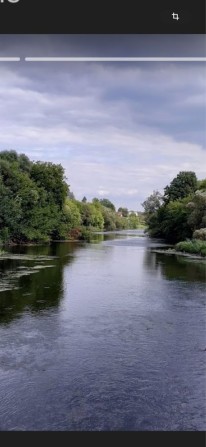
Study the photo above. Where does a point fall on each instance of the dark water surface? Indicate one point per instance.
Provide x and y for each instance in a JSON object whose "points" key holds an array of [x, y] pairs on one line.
{"points": [[102, 336]]}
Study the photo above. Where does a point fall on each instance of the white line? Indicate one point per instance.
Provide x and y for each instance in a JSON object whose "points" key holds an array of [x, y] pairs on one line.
{"points": [[10, 59], [115, 59]]}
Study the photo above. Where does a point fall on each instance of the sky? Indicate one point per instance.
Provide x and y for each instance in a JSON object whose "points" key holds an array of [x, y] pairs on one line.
{"points": [[120, 130]]}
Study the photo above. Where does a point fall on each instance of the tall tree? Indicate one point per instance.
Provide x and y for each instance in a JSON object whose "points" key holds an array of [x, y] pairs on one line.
{"points": [[182, 185], [152, 203]]}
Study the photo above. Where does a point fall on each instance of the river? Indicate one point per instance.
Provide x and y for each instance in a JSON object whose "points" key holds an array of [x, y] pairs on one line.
{"points": [[102, 336]]}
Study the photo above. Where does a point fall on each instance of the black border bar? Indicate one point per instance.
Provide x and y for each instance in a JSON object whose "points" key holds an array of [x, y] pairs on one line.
{"points": [[77, 17]]}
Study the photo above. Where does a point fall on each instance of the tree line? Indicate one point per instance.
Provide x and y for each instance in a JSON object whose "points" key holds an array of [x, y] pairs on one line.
{"points": [[36, 205], [179, 214]]}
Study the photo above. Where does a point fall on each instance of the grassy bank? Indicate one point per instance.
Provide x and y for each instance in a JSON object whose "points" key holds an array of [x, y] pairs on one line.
{"points": [[194, 246]]}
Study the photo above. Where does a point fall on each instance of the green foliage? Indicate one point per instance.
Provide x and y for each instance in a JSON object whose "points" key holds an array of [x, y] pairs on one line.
{"points": [[107, 204], [174, 226], [182, 212], [50, 177], [123, 211], [133, 221], [109, 219], [72, 214], [85, 234], [201, 184], [152, 203], [193, 246], [184, 184], [121, 223], [37, 206], [197, 205], [91, 216], [32, 196], [96, 201], [70, 195]]}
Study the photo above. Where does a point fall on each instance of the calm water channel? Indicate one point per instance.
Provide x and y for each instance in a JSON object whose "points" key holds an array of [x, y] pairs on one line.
{"points": [[102, 336]]}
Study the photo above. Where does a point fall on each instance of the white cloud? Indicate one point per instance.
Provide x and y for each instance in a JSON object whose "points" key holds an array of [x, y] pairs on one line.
{"points": [[103, 192], [115, 129]]}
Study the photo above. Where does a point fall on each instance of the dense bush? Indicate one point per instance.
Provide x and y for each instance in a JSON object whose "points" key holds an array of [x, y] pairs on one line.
{"points": [[193, 246], [31, 197], [182, 212]]}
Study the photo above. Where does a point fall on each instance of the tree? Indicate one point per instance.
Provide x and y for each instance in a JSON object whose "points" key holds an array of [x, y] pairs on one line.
{"points": [[72, 216], [201, 184], [109, 219], [182, 185], [107, 203], [152, 203], [70, 195], [133, 221], [197, 206], [123, 211], [91, 216], [84, 200], [174, 226], [95, 201], [51, 177], [32, 197]]}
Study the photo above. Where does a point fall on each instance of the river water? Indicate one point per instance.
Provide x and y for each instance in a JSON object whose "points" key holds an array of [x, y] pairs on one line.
{"points": [[102, 336]]}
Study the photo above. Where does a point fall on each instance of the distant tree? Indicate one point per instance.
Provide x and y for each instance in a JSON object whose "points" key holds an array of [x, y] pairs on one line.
{"points": [[10, 156], [123, 211], [95, 201], [152, 203], [182, 185], [72, 214], [201, 184], [70, 195], [84, 200], [107, 203], [133, 221], [91, 216], [109, 219], [121, 223]]}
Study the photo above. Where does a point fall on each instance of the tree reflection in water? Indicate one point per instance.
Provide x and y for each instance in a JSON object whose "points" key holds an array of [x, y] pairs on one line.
{"points": [[35, 284], [175, 267]]}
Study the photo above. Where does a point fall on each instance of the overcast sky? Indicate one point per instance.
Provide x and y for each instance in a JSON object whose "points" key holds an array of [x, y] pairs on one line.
{"points": [[120, 130]]}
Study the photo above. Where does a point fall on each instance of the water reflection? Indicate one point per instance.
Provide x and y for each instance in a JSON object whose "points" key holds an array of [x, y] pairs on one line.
{"points": [[35, 284], [104, 342], [175, 267]]}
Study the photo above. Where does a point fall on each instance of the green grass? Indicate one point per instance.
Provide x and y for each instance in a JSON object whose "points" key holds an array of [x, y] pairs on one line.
{"points": [[194, 246]]}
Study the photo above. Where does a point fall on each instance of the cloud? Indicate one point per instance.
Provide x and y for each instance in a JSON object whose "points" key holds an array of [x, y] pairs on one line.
{"points": [[103, 192], [119, 130]]}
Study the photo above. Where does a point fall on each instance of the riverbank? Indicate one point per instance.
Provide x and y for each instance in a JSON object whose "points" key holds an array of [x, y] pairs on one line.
{"points": [[172, 251]]}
